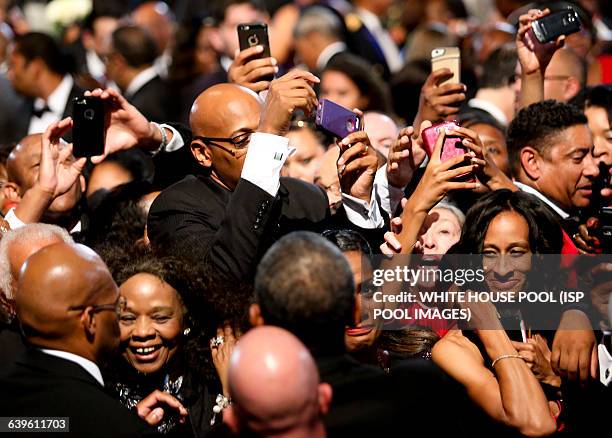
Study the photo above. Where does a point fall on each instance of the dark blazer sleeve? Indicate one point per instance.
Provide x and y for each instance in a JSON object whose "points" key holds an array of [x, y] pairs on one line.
{"points": [[199, 225]]}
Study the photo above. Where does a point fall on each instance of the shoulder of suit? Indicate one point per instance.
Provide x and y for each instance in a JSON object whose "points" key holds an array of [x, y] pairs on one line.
{"points": [[189, 187]]}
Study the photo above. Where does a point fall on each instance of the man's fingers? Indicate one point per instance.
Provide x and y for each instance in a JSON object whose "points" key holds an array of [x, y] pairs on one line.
{"points": [[349, 154], [453, 173], [359, 163], [392, 241], [247, 53], [300, 74], [260, 72], [445, 89], [448, 100], [438, 76], [594, 362]]}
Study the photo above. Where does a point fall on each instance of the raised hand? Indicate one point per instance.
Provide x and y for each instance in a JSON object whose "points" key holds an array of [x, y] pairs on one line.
{"points": [[58, 170], [534, 56], [439, 101], [126, 127], [487, 171], [286, 94], [357, 165], [405, 156], [251, 73], [221, 354]]}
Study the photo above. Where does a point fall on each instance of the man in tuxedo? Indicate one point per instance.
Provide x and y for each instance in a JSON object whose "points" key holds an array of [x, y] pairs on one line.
{"points": [[67, 304], [39, 71], [130, 65], [239, 205]]}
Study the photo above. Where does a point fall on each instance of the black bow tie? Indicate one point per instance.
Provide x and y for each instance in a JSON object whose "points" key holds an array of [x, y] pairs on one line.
{"points": [[39, 112]]}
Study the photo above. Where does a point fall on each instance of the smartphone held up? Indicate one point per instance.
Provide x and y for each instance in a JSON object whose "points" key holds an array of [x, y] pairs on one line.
{"points": [[336, 119], [88, 131], [450, 58], [451, 148], [255, 34]]}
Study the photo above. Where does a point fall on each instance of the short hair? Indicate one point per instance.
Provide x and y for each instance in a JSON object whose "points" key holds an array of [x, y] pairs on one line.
{"points": [[348, 240], [447, 205], [537, 124], [499, 68], [37, 45], [318, 19], [24, 235], [599, 96], [305, 285], [135, 45]]}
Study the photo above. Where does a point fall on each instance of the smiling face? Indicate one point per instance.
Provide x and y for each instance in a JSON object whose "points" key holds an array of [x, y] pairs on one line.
{"points": [[599, 124], [506, 252], [152, 324], [570, 156]]}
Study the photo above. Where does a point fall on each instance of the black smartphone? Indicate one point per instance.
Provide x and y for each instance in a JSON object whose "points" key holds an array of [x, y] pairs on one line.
{"points": [[88, 126], [551, 27], [336, 119], [255, 34]]}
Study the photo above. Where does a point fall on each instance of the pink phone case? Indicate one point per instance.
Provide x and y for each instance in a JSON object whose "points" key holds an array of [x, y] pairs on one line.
{"points": [[452, 145]]}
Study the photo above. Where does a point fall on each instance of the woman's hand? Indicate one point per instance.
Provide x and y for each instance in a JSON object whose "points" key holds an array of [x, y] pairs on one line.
{"points": [[221, 353], [487, 171], [439, 176], [537, 356]]}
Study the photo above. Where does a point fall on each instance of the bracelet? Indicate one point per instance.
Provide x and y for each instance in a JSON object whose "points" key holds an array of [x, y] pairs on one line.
{"points": [[222, 402], [164, 137], [506, 356]]}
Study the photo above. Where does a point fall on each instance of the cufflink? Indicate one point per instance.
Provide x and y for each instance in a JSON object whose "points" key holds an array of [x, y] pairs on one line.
{"points": [[278, 156]]}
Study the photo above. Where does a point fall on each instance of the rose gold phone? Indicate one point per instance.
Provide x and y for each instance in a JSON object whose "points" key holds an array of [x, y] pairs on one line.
{"points": [[450, 58]]}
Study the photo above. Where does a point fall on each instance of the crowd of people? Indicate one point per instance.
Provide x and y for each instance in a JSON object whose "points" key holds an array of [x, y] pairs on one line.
{"points": [[209, 274]]}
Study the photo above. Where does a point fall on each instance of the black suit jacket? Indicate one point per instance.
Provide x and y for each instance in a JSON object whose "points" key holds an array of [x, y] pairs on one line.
{"points": [[197, 217], [40, 385], [21, 127], [155, 101]]}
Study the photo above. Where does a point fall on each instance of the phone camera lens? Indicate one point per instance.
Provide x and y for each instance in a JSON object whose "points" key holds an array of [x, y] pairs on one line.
{"points": [[89, 114], [350, 125], [253, 40]]}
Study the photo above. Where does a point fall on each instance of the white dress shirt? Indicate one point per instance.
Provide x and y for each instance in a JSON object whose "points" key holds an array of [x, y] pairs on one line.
{"points": [[140, 80], [382, 37], [57, 102], [536, 193], [88, 365], [490, 108]]}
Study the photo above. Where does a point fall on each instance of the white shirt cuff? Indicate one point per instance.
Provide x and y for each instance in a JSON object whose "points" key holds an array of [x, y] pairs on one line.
{"points": [[362, 214], [388, 196], [177, 141], [264, 160], [13, 220]]}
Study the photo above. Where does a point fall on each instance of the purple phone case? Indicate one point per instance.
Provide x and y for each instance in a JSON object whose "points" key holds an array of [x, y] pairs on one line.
{"points": [[337, 119]]}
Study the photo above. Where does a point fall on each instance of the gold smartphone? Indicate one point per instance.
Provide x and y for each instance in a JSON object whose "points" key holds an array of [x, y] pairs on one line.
{"points": [[447, 57]]}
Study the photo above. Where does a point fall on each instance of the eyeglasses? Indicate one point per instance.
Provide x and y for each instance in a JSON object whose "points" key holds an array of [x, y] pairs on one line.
{"points": [[240, 142], [118, 306], [556, 78]]}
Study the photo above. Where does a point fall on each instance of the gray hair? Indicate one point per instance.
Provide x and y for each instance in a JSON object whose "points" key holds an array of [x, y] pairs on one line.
{"points": [[444, 203], [318, 19], [28, 234]]}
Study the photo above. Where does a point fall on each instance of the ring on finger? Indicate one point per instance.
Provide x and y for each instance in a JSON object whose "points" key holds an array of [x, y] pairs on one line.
{"points": [[217, 341]]}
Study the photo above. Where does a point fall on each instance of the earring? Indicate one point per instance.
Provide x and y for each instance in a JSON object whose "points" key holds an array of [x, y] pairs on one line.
{"points": [[186, 331]]}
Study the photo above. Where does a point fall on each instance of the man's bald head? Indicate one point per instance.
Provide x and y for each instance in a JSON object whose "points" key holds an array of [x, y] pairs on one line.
{"points": [[565, 75], [215, 108], [224, 111], [23, 156], [274, 384], [56, 289]]}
